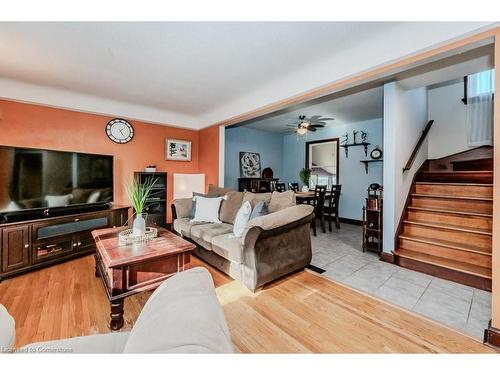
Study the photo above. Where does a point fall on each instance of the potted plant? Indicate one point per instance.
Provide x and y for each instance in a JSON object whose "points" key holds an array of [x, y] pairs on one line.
{"points": [[138, 194], [305, 177]]}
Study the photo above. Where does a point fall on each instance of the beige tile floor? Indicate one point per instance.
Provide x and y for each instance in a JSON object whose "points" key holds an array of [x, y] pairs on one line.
{"points": [[461, 307]]}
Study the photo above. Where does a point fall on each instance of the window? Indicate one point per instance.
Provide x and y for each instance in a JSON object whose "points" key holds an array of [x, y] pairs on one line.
{"points": [[479, 98]]}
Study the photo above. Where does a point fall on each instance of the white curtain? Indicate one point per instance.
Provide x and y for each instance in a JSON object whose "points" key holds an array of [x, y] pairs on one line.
{"points": [[480, 89]]}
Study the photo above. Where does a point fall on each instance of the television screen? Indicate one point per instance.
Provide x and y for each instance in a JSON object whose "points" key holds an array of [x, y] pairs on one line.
{"points": [[34, 179]]}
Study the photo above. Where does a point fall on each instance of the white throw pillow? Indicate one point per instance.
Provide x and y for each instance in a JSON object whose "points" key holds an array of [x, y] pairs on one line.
{"points": [[58, 200], [207, 209], [241, 220], [93, 197]]}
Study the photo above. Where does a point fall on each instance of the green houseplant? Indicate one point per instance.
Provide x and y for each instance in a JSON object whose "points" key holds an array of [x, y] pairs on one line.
{"points": [[305, 177], [138, 194]]}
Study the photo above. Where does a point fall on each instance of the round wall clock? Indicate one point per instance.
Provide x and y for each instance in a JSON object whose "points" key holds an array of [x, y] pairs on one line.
{"points": [[376, 153], [119, 130]]}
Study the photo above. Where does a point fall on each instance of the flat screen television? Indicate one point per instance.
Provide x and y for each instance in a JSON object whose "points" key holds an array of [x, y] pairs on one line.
{"points": [[32, 180]]}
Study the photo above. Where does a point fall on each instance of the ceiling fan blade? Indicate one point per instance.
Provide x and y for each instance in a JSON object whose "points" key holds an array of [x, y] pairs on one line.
{"points": [[316, 126], [313, 118], [326, 119], [311, 129], [319, 123]]}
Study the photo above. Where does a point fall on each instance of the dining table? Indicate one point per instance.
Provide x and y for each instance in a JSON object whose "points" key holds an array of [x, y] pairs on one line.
{"points": [[307, 197]]}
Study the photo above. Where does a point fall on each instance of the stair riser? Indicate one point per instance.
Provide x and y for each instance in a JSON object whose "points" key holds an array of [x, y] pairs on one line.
{"points": [[478, 222], [477, 178], [456, 190], [465, 205], [465, 238], [444, 252], [444, 273]]}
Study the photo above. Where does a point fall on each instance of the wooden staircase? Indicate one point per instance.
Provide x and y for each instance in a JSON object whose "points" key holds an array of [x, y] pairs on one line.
{"points": [[446, 228]]}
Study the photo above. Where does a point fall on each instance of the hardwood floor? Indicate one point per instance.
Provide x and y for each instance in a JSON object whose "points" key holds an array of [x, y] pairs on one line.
{"points": [[301, 313]]}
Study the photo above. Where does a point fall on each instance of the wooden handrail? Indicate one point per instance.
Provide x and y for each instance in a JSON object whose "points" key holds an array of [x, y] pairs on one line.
{"points": [[413, 155]]}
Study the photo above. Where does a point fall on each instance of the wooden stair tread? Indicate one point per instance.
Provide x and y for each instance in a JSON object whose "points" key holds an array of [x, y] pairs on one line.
{"points": [[449, 227], [442, 196], [446, 263], [453, 212], [445, 172], [453, 183], [444, 243]]}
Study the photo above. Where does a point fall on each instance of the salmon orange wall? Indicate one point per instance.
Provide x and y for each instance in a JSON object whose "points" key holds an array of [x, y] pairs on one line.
{"points": [[209, 155], [28, 125]]}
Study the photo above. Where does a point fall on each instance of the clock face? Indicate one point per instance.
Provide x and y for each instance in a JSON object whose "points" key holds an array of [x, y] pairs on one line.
{"points": [[376, 153], [119, 130]]}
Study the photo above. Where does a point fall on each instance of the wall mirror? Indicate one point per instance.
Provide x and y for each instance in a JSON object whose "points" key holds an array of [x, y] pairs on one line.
{"points": [[322, 157]]}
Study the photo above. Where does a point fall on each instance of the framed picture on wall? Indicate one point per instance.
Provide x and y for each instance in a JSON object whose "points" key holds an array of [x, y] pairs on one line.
{"points": [[178, 150], [249, 164]]}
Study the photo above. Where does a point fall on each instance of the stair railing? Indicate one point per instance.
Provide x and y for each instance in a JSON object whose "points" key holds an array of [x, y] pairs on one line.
{"points": [[413, 155]]}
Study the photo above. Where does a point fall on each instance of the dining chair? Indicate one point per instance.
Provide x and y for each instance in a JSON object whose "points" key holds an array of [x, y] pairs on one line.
{"points": [[331, 209], [280, 187], [293, 186], [319, 205]]}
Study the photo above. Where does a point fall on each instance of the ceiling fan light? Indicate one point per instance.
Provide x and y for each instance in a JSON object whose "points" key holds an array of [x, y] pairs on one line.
{"points": [[302, 131], [305, 124]]}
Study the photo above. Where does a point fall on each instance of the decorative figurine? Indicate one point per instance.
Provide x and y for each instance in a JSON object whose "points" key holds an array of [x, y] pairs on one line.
{"points": [[363, 136], [345, 139], [354, 133]]}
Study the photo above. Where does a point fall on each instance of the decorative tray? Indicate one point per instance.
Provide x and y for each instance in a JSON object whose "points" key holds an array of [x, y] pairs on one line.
{"points": [[127, 236]]}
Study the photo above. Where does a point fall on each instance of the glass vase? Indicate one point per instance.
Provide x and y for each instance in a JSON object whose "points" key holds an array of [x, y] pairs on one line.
{"points": [[139, 225]]}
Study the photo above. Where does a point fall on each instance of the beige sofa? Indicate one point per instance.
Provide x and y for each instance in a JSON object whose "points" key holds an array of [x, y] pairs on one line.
{"points": [[271, 246], [183, 315]]}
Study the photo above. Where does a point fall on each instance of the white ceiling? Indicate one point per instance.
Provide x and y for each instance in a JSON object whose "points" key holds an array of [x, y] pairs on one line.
{"points": [[361, 106], [194, 74]]}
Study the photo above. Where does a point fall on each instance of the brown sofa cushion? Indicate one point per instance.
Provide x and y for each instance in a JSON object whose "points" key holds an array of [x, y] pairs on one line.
{"points": [[215, 191], [204, 233], [230, 206], [283, 200], [254, 198], [183, 207], [228, 247], [183, 226]]}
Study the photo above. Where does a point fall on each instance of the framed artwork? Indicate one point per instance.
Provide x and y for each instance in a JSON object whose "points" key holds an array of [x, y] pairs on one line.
{"points": [[178, 150], [249, 164]]}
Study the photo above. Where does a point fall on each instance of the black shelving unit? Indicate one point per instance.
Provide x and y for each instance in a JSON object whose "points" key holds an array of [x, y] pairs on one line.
{"points": [[372, 221], [157, 202]]}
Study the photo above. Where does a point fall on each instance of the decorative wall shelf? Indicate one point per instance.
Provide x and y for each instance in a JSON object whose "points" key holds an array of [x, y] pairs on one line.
{"points": [[366, 162], [346, 147]]}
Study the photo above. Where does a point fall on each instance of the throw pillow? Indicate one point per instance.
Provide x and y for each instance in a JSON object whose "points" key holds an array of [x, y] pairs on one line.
{"points": [[283, 200], [58, 200], [207, 209], [260, 209], [241, 219], [216, 191], [193, 207], [254, 198], [230, 206]]}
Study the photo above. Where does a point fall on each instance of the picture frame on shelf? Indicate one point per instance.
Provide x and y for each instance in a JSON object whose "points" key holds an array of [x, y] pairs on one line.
{"points": [[178, 150]]}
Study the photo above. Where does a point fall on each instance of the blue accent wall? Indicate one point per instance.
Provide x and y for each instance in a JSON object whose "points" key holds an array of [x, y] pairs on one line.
{"points": [[269, 145], [352, 174], [285, 154]]}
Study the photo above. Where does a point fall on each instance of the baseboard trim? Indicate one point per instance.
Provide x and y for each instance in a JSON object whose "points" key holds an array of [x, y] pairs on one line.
{"points": [[387, 257], [350, 221], [492, 336]]}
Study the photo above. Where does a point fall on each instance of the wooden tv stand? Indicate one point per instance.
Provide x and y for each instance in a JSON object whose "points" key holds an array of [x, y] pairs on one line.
{"points": [[32, 244]]}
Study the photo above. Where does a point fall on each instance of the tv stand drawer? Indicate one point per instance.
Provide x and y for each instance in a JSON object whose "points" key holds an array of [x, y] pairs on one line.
{"points": [[52, 249]]}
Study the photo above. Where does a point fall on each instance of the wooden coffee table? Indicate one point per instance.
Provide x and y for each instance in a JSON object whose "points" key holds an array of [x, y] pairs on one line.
{"points": [[126, 270]]}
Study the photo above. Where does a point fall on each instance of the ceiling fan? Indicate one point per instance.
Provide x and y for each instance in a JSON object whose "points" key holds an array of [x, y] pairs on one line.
{"points": [[309, 124]]}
